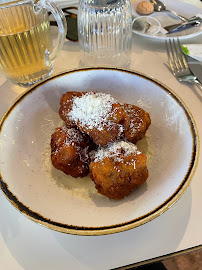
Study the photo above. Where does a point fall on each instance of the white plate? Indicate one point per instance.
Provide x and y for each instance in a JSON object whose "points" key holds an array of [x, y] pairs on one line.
{"points": [[166, 18], [70, 205]]}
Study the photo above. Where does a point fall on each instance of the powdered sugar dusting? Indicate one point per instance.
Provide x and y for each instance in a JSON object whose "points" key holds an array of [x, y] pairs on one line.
{"points": [[92, 110], [116, 150]]}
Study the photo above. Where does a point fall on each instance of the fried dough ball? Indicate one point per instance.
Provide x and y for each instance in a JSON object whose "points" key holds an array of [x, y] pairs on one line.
{"points": [[97, 114], [65, 106], [118, 169], [70, 151], [139, 123]]}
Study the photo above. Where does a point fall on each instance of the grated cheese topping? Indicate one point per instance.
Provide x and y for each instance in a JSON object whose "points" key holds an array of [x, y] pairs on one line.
{"points": [[135, 120], [92, 110], [73, 135], [73, 138], [116, 150]]}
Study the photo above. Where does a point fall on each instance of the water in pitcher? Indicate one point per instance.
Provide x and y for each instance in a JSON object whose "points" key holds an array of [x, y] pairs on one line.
{"points": [[23, 43], [105, 30]]}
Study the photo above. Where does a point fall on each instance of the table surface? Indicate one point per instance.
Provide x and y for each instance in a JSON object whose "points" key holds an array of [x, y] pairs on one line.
{"points": [[27, 245]]}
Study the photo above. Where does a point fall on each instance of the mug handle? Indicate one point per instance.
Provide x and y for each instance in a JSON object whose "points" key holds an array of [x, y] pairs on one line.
{"points": [[62, 26]]}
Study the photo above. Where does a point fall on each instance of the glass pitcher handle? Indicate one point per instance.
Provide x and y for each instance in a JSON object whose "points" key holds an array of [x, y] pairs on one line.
{"points": [[62, 27]]}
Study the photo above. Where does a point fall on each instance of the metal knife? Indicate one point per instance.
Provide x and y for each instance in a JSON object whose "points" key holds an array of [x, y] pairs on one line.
{"points": [[181, 26], [195, 67]]}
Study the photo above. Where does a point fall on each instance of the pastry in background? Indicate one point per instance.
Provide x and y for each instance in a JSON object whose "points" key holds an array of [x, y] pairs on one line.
{"points": [[144, 8]]}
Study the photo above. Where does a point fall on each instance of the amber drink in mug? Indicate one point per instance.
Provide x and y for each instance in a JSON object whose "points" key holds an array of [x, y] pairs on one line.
{"points": [[26, 51]]}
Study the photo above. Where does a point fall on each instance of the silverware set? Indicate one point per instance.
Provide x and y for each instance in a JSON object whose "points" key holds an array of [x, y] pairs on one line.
{"points": [[160, 6], [178, 63], [193, 22], [186, 22]]}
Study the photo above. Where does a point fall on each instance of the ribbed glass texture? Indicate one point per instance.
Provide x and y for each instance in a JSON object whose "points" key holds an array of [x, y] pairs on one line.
{"points": [[105, 30]]}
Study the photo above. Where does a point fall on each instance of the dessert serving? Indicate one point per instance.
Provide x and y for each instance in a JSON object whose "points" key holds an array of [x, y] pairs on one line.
{"points": [[96, 114], [81, 193], [118, 169], [98, 137], [70, 151]]}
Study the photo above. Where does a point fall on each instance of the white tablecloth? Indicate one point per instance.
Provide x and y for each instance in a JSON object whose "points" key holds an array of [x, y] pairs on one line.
{"points": [[26, 245]]}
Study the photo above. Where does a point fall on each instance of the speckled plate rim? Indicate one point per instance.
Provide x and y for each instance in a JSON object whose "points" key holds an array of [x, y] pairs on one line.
{"points": [[65, 228]]}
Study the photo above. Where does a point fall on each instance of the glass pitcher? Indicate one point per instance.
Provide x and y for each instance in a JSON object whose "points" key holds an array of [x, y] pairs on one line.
{"points": [[105, 32], [26, 51]]}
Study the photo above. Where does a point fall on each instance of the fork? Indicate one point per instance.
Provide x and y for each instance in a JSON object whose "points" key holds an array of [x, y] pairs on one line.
{"points": [[178, 63]]}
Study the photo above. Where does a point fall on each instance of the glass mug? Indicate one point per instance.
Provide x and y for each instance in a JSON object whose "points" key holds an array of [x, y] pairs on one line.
{"points": [[26, 50]]}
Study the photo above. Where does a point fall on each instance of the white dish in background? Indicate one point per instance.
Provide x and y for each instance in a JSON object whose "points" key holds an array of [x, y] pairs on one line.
{"points": [[70, 205], [166, 18]]}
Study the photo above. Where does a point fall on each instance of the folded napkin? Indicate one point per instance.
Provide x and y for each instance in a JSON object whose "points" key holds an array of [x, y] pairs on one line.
{"points": [[193, 50]]}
